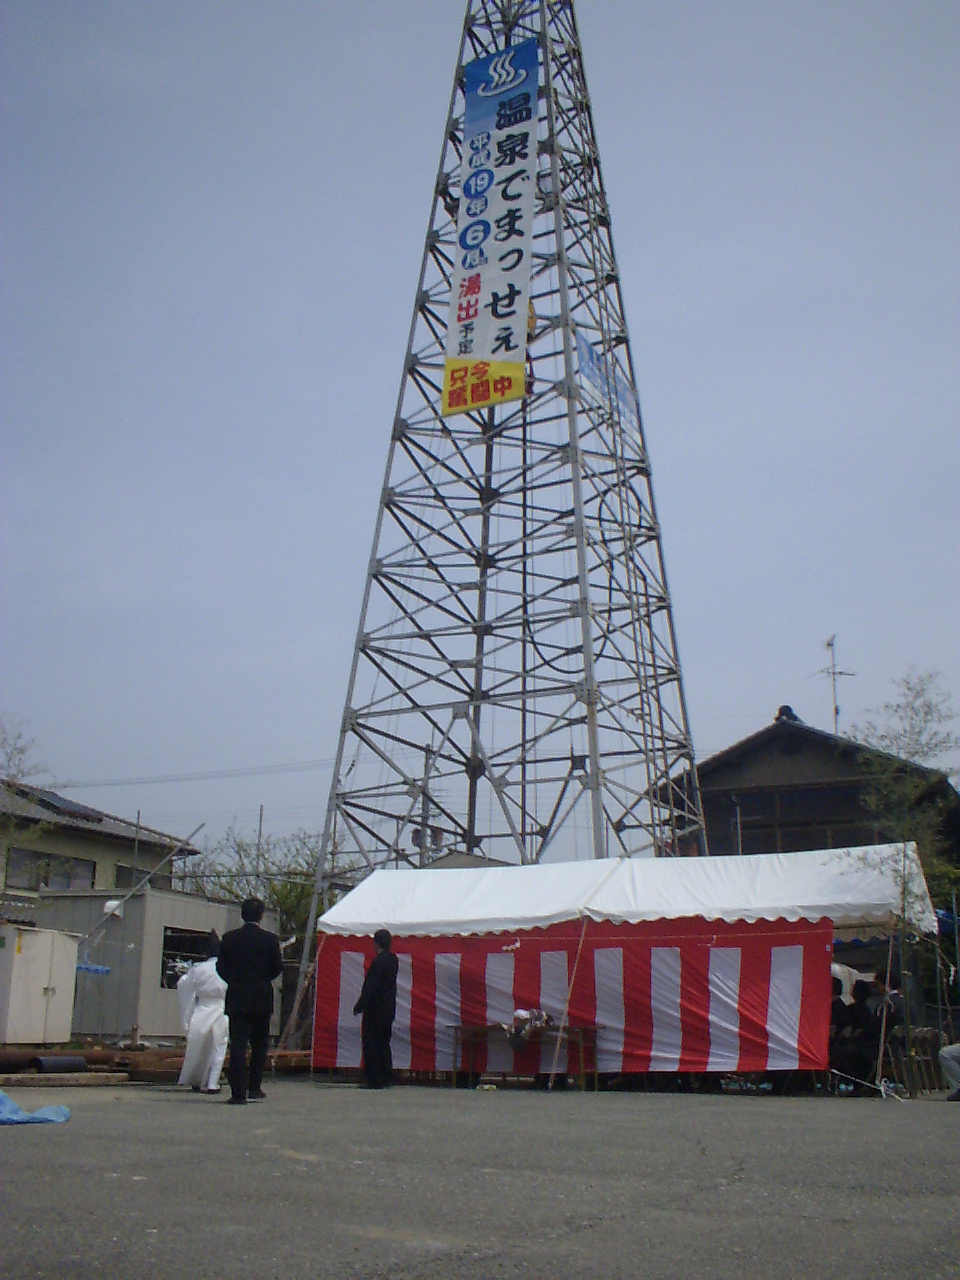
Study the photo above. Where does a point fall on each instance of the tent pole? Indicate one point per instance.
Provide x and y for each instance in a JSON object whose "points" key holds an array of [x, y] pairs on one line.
{"points": [[301, 993], [566, 1010], [883, 1017]]}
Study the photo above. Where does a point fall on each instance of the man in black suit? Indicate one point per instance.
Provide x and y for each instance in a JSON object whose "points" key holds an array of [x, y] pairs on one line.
{"points": [[378, 1004], [248, 962]]}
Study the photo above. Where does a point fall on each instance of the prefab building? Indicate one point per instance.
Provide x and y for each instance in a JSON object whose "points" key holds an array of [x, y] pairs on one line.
{"points": [[131, 955], [710, 964]]}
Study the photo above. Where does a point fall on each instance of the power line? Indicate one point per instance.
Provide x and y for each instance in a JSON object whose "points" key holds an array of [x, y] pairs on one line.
{"points": [[253, 771]]}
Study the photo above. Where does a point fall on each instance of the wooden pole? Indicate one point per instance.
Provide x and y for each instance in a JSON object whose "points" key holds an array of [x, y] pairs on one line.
{"points": [[883, 1016], [566, 1010], [304, 987]]}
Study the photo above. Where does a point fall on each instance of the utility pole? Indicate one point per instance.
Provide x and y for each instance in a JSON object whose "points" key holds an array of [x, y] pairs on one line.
{"points": [[259, 839]]}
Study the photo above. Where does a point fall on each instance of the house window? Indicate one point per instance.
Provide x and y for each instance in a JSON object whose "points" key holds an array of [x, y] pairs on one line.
{"points": [[31, 869], [181, 949], [127, 877], [822, 804]]}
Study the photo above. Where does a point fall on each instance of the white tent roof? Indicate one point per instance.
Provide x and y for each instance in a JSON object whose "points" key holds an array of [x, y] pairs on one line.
{"points": [[860, 890]]}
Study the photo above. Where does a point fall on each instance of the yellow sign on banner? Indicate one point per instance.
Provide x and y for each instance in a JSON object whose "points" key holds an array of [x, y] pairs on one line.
{"points": [[476, 384]]}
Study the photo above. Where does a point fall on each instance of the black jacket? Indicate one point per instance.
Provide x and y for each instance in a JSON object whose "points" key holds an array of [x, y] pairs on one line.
{"points": [[378, 999], [248, 962]]}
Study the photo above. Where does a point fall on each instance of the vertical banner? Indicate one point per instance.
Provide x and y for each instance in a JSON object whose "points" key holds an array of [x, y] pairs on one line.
{"points": [[487, 326], [610, 389]]}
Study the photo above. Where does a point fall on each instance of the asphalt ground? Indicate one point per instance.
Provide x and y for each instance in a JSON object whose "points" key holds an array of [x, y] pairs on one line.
{"points": [[330, 1181]]}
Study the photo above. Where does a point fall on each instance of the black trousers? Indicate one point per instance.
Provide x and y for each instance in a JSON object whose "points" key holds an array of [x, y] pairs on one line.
{"points": [[377, 1057], [253, 1029]]}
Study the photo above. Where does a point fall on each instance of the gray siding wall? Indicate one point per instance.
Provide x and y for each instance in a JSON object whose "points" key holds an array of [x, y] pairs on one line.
{"points": [[106, 1005]]}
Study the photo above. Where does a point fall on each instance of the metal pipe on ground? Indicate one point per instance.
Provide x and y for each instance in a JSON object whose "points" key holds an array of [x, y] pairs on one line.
{"points": [[58, 1063], [15, 1059]]}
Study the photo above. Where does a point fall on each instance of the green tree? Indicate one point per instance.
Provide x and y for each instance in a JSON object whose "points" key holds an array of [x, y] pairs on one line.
{"points": [[908, 790], [281, 873], [917, 725]]}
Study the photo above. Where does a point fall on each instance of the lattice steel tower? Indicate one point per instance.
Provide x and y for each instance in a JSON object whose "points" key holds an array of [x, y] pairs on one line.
{"points": [[515, 687]]}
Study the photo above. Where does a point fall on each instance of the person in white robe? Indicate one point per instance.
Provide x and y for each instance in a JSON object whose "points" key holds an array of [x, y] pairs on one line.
{"points": [[201, 993]]}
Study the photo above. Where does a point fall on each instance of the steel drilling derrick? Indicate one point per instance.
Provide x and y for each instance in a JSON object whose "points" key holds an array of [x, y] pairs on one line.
{"points": [[515, 689]]}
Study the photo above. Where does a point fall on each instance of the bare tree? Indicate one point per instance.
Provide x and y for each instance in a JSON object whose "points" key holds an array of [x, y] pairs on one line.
{"points": [[281, 872], [17, 754]]}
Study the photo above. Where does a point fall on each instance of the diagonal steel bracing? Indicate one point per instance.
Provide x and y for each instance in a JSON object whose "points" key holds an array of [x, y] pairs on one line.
{"points": [[515, 684]]}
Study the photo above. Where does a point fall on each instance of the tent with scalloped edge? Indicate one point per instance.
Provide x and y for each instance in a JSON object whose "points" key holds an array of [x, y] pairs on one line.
{"points": [[707, 964]]}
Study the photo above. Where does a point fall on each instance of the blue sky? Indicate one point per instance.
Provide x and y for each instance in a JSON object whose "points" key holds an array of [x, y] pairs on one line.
{"points": [[212, 221]]}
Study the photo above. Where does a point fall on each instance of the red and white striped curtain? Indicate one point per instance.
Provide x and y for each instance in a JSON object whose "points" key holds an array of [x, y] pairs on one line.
{"points": [[683, 995]]}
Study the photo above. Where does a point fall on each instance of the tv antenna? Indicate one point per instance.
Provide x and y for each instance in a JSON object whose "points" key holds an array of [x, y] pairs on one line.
{"points": [[835, 674]]}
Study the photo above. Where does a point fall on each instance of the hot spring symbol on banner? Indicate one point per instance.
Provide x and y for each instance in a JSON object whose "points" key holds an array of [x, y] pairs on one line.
{"points": [[487, 328]]}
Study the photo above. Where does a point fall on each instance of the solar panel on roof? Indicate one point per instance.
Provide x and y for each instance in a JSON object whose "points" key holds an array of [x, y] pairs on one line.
{"points": [[59, 804]]}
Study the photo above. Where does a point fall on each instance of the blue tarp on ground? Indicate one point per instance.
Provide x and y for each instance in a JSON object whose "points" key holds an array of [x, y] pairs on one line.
{"points": [[12, 1113]]}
